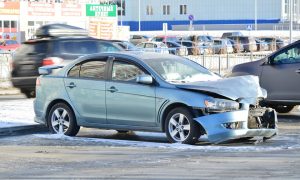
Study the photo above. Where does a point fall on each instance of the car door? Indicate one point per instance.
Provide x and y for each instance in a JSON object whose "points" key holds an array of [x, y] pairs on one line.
{"points": [[281, 76], [85, 85], [127, 102]]}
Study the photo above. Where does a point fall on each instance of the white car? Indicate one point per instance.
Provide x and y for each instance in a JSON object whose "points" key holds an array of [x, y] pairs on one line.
{"points": [[158, 47]]}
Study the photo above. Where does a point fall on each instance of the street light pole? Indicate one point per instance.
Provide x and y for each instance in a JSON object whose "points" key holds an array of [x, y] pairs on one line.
{"points": [[255, 14], [139, 15], [291, 20]]}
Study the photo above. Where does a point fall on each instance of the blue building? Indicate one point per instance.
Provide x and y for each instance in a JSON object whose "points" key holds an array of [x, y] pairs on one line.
{"points": [[148, 15]]}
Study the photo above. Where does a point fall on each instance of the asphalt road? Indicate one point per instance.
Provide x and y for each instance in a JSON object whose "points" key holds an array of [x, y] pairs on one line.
{"points": [[100, 154]]}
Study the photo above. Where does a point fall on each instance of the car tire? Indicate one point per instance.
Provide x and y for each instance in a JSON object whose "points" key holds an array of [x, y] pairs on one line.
{"points": [[61, 120], [283, 109], [181, 128]]}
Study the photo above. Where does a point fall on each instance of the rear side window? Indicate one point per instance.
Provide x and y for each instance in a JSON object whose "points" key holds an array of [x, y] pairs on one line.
{"points": [[107, 47], [34, 48], [136, 37], [91, 69]]}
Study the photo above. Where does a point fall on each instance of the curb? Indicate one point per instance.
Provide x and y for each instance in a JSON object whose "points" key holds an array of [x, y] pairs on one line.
{"points": [[26, 129]]}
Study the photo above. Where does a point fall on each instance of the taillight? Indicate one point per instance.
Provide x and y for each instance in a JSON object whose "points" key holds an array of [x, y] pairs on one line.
{"points": [[37, 82], [52, 61]]}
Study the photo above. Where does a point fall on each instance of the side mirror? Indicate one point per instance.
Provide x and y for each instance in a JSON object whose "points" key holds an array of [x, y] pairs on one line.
{"points": [[144, 79]]}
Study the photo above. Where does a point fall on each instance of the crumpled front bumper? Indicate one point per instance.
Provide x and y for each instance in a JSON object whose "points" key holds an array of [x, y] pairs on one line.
{"points": [[217, 133]]}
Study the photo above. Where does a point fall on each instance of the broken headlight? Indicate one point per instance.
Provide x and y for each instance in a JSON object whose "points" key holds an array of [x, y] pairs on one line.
{"points": [[217, 105]]}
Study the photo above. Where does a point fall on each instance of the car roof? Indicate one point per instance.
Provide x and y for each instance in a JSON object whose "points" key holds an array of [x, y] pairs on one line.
{"points": [[141, 55]]}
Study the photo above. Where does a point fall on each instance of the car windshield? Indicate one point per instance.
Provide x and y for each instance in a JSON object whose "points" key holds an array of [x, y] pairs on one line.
{"points": [[180, 70]]}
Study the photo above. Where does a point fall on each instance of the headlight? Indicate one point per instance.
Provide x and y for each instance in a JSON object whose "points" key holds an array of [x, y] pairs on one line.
{"points": [[221, 105]]}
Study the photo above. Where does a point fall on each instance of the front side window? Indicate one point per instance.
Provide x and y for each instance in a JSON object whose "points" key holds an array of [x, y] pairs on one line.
{"points": [[183, 9], [123, 71], [288, 56]]}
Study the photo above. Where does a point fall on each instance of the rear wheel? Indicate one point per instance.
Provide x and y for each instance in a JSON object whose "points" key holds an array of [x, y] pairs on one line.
{"points": [[180, 127], [61, 120], [282, 108]]}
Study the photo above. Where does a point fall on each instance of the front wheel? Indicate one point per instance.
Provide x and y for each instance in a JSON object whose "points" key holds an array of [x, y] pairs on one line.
{"points": [[180, 127], [61, 120]]}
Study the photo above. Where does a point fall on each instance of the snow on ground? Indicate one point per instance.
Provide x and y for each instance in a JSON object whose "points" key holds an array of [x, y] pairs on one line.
{"points": [[16, 113], [177, 146]]}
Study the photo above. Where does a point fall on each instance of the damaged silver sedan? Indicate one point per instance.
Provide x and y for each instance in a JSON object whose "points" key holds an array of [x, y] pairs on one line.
{"points": [[151, 92]]}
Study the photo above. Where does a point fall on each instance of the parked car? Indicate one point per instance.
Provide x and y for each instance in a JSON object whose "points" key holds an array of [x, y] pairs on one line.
{"points": [[261, 45], [279, 74], [274, 43], [248, 42], [222, 46], [228, 34], [192, 47], [126, 45], [151, 92], [153, 46], [52, 47], [8, 45], [203, 42], [176, 48], [164, 38], [237, 46], [137, 39]]}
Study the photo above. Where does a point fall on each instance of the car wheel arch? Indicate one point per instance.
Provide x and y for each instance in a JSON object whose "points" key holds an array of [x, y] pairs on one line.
{"points": [[56, 101], [172, 106]]}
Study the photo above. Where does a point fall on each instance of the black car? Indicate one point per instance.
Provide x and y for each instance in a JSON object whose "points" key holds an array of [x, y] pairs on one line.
{"points": [[55, 44], [176, 48], [279, 74]]}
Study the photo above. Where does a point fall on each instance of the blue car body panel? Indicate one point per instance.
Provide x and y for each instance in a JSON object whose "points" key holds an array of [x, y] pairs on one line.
{"points": [[216, 132]]}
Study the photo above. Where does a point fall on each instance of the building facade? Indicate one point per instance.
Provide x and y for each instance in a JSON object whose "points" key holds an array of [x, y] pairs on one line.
{"points": [[153, 13], [147, 15]]}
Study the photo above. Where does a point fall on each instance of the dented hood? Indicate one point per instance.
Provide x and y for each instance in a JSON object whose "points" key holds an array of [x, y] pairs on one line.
{"points": [[241, 87]]}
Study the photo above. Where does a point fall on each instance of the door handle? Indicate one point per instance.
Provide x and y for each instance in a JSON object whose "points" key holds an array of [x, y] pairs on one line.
{"points": [[297, 71], [113, 89], [71, 85]]}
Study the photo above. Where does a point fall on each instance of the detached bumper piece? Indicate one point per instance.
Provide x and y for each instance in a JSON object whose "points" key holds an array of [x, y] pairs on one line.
{"points": [[251, 122]]}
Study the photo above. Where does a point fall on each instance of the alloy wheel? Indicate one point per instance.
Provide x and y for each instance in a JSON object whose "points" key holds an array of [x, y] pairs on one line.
{"points": [[179, 127], [60, 120]]}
